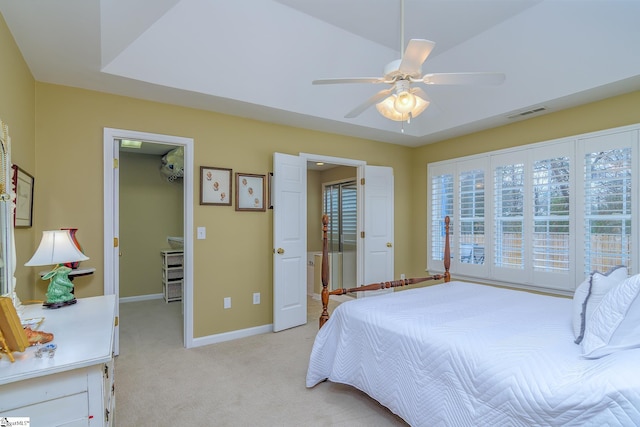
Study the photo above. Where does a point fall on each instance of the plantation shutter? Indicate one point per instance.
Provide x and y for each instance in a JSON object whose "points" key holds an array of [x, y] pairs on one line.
{"points": [[607, 199], [349, 214], [471, 216], [441, 205], [551, 225], [509, 216]]}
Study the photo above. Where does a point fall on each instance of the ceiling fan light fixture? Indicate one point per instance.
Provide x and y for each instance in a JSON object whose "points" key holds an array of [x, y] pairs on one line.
{"points": [[388, 110], [421, 105], [405, 102]]}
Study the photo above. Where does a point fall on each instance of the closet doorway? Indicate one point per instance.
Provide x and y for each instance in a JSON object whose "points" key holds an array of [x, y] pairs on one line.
{"points": [[112, 228]]}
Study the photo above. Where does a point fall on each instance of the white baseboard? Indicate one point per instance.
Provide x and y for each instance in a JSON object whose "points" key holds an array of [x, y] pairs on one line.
{"points": [[141, 298], [233, 335]]}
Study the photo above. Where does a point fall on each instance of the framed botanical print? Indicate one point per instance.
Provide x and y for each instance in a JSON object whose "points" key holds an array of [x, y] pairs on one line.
{"points": [[215, 186], [23, 187], [250, 192]]}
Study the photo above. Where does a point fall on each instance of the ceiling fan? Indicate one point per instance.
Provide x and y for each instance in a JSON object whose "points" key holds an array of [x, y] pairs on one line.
{"points": [[402, 101]]}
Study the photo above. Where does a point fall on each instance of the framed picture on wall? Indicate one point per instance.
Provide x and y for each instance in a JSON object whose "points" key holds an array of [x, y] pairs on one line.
{"points": [[270, 190], [215, 186], [23, 188], [250, 192]]}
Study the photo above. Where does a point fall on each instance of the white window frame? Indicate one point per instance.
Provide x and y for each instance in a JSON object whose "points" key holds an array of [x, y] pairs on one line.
{"points": [[575, 149]]}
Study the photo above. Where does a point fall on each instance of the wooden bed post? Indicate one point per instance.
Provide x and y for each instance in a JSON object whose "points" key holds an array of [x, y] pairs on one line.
{"points": [[374, 286], [447, 250], [325, 272]]}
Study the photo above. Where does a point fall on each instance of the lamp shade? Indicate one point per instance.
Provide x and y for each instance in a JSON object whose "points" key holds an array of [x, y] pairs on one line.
{"points": [[56, 247], [388, 110]]}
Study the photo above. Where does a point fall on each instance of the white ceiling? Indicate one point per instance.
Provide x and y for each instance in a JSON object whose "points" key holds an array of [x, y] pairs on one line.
{"points": [[257, 58]]}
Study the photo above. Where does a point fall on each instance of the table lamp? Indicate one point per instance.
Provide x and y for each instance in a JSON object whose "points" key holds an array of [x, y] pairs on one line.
{"points": [[56, 247]]}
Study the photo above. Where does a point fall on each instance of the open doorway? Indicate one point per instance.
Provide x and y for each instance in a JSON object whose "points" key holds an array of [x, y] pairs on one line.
{"points": [[332, 190], [123, 164], [291, 227], [151, 222]]}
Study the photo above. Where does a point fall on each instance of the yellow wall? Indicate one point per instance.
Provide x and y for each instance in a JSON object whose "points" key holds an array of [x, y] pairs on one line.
{"points": [[236, 258], [609, 113], [17, 110], [151, 208]]}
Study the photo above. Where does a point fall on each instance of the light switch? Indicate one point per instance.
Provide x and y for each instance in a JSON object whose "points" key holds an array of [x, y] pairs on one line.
{"points": [[202, 232]]}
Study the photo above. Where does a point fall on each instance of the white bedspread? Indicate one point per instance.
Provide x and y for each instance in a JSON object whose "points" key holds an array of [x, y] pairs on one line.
{"points": [[461, 354]]}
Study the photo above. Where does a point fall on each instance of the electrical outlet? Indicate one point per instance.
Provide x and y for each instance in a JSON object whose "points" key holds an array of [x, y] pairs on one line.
{"points": [[227, 302], [256, 298], [402, 277]]}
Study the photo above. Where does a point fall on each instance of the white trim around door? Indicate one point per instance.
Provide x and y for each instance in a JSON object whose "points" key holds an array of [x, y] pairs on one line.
{"points": [[111, 229]]}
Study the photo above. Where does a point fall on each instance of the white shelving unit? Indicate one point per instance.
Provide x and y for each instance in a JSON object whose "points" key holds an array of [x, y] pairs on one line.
{"points": [[172, 274]]}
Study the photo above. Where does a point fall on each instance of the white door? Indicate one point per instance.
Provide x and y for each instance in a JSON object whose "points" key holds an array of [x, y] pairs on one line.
{"points": [[112, 239], [289, 241], [378, 225]]}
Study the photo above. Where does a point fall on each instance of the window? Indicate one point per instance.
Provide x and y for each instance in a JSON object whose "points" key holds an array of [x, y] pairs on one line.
{"points": [[471, 217], [607, 189], [442, 194], [508, 244], [543, 215], [340, 203], [551, 220]]}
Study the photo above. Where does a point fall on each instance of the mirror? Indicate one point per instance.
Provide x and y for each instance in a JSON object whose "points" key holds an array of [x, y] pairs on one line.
{"points": [[7, 252]]}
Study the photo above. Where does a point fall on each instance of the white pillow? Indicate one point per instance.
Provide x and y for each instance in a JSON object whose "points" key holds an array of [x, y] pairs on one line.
{"points": [[615, 323], [589, 294]]}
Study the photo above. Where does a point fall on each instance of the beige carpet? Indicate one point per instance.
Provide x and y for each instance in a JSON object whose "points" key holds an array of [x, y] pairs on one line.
{"points": [[254, 381]]}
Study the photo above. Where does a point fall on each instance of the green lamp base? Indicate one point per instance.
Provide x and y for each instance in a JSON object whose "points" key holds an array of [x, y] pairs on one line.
{"points": [[60, 291]]}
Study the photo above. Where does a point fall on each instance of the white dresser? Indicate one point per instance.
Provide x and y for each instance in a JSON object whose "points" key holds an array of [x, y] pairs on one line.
{"points": [[76, 386]]}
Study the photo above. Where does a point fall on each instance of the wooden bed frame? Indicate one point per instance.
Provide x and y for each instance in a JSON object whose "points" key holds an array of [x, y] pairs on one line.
{"points": [[374, 286]]}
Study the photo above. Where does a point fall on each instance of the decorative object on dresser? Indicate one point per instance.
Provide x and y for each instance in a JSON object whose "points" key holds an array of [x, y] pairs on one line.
{"points": [[250, 192], [172, 274], [57, 247], [12, 336], [215, 186]]}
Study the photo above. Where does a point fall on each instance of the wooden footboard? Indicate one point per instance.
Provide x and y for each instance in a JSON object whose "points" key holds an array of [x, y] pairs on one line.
{"points": [[374, 286]]}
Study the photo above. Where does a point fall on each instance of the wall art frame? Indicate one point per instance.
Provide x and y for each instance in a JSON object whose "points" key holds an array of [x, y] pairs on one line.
{"points": [[23, 184], [250, 192], [215, 186], [270, 190]]}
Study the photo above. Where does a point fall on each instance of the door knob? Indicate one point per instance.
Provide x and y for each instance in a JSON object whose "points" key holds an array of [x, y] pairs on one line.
{"points": [[389, 244], [280, 251]]}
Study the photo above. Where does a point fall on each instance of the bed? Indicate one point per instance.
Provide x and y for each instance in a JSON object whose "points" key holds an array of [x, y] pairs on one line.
{"points": [[465, 354]]}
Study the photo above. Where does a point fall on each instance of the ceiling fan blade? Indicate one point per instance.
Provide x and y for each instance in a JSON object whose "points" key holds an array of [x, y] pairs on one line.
{"points": [[369, 102], [463, 78], [414, 55], [348, 80]]}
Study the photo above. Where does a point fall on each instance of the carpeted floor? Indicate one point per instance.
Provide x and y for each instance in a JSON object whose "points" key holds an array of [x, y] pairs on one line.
{"points": [[254, 381]]}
